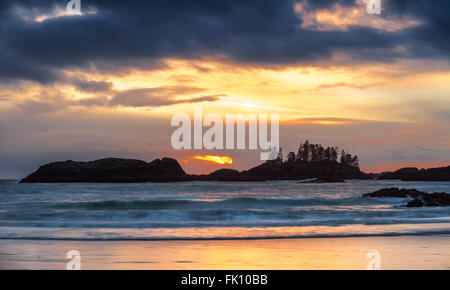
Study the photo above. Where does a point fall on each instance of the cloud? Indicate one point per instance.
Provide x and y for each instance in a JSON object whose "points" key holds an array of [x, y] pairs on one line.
{"points": [[343, 17], [92, 86], [157, 97], [47, 101], [327, 121], [90, 102], [142, 33], [344, 84], [432, 150], [36, 107]]}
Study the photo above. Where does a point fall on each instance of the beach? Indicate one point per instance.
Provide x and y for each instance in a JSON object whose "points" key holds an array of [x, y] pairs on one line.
{"points": [[397, 252], [209, 225]]}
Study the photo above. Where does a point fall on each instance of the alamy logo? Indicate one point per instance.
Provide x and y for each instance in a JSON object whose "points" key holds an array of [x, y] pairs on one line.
{"points": [[374, 7], [75, 262], [374, 258], [74, 7], [213, 138]]}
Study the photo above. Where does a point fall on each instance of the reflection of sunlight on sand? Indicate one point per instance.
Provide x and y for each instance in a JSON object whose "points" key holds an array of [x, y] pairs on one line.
{"points": [[408, 252]]}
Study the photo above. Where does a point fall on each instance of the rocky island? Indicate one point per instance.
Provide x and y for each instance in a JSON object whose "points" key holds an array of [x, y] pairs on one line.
{"points": [[116, 170], [311, 162], [109, 170]]}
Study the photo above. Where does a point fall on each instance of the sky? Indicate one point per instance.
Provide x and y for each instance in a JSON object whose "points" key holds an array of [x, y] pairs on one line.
{"points": [[107, 82]]}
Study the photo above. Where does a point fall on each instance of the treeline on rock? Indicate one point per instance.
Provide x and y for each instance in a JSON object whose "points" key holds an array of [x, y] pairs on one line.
{"points": [[308, 152]]}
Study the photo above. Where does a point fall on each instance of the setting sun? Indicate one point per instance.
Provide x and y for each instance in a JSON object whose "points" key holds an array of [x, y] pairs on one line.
{"points": [[215, 159]]}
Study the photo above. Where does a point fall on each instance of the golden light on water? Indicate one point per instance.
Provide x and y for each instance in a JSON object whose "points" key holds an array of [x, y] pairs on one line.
{"points": [[215, 159]]}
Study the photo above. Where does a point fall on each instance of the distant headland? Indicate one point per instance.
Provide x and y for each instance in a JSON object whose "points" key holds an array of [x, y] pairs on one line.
{"points": [[312, 161]]}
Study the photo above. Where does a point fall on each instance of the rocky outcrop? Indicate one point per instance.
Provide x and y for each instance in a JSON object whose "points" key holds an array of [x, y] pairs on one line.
{"points": [[322, 172], [224, 175], [415, 174], [420, 198], [415, 203], [434, 199], [109, 170], [325, 171], [169, 170], [395, 192]]}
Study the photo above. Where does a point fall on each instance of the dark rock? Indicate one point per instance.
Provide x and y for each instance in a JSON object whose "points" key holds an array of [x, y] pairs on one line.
{"points": [[420, 198], [109, 170], [415, 174], [332, 171], [224, 175], [437, 199], [395, 192], [415, 203], [168, 170]]}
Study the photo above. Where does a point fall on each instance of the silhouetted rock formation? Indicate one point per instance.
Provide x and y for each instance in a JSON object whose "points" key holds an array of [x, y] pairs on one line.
{"points": [[311, 161], [168, 170], [434, 199], [414, 174], [109, 170], [324, 170], [420, 198], [395, 192], [222, 175]]}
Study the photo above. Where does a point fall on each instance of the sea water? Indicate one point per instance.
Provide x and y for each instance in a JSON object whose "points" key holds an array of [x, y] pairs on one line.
{"points": [[213, 210]]}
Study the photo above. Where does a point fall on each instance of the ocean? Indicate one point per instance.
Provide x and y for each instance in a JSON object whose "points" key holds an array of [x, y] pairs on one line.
{"points": [[213, 210]]}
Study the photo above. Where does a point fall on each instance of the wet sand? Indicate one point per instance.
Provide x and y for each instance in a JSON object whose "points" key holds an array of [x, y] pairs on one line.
{"points": [[401, 252]]}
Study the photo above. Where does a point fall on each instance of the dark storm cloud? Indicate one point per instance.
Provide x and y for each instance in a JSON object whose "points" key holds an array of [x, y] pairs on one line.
{"points": [[257, 32], [435, 32]]}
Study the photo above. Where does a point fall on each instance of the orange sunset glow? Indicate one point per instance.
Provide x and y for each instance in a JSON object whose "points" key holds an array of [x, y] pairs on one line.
{"points": [[215, 159], [379, 98]]}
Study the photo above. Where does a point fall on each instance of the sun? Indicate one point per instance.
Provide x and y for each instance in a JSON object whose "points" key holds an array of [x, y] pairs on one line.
{"points": [[215, 159]]}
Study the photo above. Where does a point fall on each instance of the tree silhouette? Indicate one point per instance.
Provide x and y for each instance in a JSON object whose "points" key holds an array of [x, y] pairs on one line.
{"points": [[299, 156], [280, 155], [334, 154], [355, 161], [290, 157], [321, 153], [308, 152], [327, 154]]}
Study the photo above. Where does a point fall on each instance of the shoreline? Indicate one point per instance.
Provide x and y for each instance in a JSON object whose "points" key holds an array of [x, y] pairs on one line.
{"points": [[269, 238], [396, 252]]}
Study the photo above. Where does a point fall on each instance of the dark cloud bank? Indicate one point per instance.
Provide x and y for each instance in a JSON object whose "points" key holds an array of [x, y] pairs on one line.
{"points": [[255, 32]]}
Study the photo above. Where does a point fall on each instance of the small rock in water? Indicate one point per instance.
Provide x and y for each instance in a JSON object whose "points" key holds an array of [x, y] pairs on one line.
{"points": [[415, 203], [395, 192], [420, 198], [437, 199]]}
